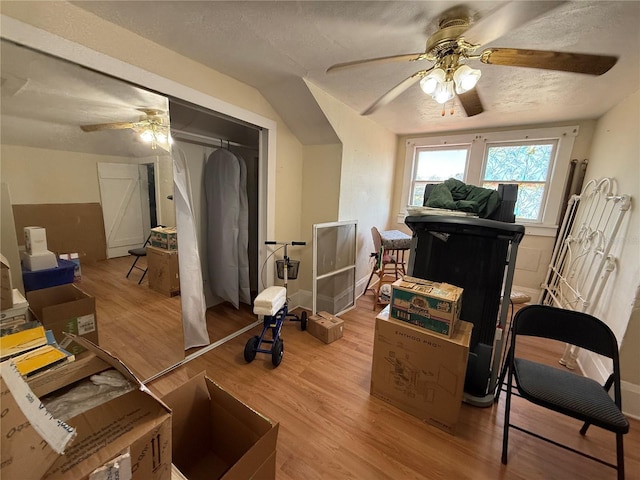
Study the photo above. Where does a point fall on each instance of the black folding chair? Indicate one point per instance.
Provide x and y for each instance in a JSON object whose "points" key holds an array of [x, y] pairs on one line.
{"points": [[559, 389], [137, 253]]}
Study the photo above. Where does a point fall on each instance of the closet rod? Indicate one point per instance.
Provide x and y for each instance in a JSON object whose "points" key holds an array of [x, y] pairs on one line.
{"points": [[212, 141]]}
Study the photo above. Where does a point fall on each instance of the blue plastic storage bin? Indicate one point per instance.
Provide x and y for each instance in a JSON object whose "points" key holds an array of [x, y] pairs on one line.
{"points": [[50, 277]]}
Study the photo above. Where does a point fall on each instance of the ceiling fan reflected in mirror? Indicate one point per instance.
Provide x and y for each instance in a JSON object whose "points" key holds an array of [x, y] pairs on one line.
{"points": [[152, 127], [455, 43]]}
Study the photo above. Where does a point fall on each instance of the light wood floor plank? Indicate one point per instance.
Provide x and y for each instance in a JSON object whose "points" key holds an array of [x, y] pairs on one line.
{"points": [[330, 427]]}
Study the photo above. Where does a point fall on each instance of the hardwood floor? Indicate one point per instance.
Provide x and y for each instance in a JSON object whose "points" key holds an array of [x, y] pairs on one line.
{"points": [[142, 325], [330, 427]]}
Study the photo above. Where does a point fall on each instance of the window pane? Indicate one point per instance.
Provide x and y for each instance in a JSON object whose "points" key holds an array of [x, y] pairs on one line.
{"points": [[418, 194], [439, 165], [528, 163], [336, 248], [529, 201]]}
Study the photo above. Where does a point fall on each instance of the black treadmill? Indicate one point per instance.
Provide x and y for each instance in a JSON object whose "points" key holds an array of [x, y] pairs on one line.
{"points": [[478, 255]]}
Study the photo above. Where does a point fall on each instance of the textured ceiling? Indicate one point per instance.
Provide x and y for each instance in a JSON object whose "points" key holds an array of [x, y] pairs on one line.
{"points": [[270, 44], [278, 46]]}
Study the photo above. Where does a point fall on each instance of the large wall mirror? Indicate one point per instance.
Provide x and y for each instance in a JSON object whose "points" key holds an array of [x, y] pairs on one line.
{"points": [[87, 156]]}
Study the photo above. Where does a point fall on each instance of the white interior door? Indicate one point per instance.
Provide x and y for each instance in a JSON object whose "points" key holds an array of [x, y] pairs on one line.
{"points": [[123, 206]]}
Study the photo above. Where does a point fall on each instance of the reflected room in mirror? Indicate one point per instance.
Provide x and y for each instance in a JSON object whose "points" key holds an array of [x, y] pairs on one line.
{"points": [[91, 159], [87, 157]]}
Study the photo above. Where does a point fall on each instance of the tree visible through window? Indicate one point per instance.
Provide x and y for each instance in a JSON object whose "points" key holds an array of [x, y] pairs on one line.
{"points": [[524, 164]]}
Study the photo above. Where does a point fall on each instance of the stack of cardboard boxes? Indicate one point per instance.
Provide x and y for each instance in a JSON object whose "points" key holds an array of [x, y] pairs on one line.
{"points": [[162, 260], [420, 351]]}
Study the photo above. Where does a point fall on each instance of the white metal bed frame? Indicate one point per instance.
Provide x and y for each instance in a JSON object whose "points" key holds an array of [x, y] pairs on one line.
{"points": [[582, 262]]}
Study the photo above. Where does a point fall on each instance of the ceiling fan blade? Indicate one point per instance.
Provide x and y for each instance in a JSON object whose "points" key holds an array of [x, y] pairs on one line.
{"points": [[566, 62], [395, 91], [505, 19], [408, 57], [471, 103], [107, 126]]}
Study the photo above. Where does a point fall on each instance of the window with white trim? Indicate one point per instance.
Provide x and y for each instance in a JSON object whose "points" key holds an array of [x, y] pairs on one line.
{"points": [[536, 159], [527, 164], [435, 165]]}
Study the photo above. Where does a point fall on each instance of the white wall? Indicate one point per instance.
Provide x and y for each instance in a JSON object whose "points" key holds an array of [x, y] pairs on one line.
{"points": [[43, 176], [615, 153], [320, 200], [38, 175], [367, 173]]}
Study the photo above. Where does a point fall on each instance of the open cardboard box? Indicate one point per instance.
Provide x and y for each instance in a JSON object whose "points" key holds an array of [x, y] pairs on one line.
{"points": [[216, 436], [137, 421], [66, 309]]}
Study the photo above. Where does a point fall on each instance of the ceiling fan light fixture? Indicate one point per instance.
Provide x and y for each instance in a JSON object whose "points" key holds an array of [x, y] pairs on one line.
{"points": [[429, 84], [444, 92], [156, 135], [147, 135], [466, 78]]}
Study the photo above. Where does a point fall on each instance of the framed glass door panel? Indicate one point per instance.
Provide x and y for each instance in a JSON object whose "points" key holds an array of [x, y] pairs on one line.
{"points": [[334, 266]]}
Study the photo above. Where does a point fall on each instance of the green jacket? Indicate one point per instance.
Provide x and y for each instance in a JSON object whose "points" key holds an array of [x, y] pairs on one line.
{"points": [[456, 195]]}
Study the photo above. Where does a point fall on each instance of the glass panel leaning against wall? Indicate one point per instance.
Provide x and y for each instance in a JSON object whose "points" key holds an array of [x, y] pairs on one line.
{"points": [[537, 159]]}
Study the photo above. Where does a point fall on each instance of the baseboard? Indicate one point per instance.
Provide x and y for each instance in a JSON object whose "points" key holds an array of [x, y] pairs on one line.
{"points": [[302, 298], [631, 400], [592, 367]]}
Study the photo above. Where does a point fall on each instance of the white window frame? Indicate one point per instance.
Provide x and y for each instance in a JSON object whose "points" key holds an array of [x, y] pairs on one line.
{"points": [[414, 170], [558, 170], [547, 182]]}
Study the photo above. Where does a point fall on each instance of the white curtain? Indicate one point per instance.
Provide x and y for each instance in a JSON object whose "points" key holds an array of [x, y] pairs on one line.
{"points": [[194, 307], [225, 178]]}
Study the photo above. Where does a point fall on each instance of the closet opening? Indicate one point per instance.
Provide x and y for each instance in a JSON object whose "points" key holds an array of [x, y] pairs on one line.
{"points": [[222, 156]]}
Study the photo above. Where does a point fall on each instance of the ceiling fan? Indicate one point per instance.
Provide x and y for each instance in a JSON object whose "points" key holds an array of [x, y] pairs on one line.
{"points": [[455, 43], [152, 127], [150, 117]]}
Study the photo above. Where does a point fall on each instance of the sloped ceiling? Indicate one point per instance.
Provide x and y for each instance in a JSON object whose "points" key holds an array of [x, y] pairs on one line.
{"points": [[278, 46], [266, 44]]}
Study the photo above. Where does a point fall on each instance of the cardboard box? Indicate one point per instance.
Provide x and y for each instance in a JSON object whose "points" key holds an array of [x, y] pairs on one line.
{"points": [[9, 325], [137, 421], [163, 271], [164, 237], [431, 305], [216, 436], [66, 308], [420, 372], [84, 365], [12, 318], [325, 327], [19, 307], [34, 262], [6, 288], [35, 240]]}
